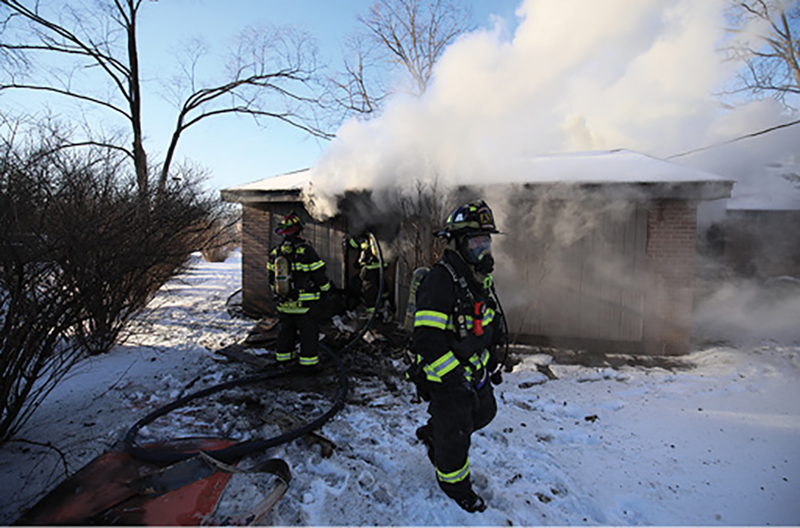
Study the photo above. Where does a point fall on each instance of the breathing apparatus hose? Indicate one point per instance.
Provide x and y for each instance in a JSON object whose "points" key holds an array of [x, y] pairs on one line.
{"points": [[506, 337], [233, 453]]}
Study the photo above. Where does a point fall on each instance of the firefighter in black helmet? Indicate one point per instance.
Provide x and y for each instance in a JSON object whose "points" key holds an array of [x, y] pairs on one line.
{"points": [[456, 328], [297, 278]]}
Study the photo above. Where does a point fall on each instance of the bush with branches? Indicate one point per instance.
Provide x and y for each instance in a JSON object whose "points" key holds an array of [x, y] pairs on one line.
{"points": [[80, 255]]}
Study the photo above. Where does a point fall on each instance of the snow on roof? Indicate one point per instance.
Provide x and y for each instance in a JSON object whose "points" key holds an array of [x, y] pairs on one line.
{"points": [[594, 167], [613, 166], [284, 182]]}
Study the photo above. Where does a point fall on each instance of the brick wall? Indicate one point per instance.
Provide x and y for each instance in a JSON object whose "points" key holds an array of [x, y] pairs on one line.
{"points": [[258, 237], [256, 229], [670, 255]]}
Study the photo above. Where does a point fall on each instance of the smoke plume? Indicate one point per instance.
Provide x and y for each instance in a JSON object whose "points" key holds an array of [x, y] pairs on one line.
{"points": [[565, 76], [573, 76]]}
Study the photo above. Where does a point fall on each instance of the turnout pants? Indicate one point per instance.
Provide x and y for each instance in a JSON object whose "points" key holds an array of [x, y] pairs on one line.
{"points": [[307, 326], [370, 284], [455, 414]]}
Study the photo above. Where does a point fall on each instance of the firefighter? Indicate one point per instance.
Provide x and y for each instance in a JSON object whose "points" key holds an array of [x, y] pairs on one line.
{"points": [[456, 328], [298, 280], [369, 266]]}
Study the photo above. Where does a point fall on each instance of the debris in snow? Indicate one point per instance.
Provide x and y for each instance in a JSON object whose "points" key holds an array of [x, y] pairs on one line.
{"points": [[536, 379], [544, 460]]}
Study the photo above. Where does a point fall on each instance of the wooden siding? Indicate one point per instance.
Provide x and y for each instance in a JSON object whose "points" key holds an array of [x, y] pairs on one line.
{"points": [[610, 276], [590, 289]]}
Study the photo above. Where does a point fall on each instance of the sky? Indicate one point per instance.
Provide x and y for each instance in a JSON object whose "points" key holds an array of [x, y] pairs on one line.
{"points": [[713, 440], [234, 149], [535, 77]]}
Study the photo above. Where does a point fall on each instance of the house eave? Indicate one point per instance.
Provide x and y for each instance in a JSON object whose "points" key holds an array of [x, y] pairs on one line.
{"points": [[250, 196], [695, 191]]}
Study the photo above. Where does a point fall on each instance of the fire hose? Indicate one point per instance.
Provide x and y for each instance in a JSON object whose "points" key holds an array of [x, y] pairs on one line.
{"points": [[236, 451]]}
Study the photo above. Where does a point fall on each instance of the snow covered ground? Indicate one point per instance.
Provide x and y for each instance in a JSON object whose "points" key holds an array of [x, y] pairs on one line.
{"points": [[714, 444]]}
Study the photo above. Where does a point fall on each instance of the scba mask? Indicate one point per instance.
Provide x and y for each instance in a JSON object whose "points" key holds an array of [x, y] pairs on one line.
{"points": [[477, 250]]}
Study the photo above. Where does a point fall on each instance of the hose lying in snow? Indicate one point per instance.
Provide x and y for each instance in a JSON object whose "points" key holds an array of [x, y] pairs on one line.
{"points": [[236, 451], [233, 453]]}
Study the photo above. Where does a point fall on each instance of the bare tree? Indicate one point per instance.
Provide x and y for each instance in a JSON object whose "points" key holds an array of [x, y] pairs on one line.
{"points": [[406, 36], [772, 58], [270, 75], [361, 88], [77, 259]]}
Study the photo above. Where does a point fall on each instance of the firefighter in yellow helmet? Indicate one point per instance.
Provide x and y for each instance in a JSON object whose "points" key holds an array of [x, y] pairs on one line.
{"points": [[457, 326], [298, 280], [369, 274]]}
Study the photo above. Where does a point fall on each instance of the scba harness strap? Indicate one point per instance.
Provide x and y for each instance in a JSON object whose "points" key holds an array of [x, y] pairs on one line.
{"points": [[467, 320], [466, 303]]}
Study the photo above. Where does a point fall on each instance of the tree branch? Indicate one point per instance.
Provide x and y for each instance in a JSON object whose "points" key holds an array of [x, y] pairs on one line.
{"points": [[65, 93]]}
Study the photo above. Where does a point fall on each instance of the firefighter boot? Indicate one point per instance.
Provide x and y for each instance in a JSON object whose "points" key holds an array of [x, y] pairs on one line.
{"points": [[472, 502]]}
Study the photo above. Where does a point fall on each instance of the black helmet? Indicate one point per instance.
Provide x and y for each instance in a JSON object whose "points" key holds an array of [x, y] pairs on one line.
{"points": [[471, 218]]}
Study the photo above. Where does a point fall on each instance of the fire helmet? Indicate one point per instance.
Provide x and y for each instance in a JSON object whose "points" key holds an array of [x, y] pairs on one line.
{"points": [[290, 225], [472, 218]]}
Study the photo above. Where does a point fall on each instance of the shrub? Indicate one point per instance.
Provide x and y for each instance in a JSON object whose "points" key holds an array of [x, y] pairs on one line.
{"points": [[81, 254]]}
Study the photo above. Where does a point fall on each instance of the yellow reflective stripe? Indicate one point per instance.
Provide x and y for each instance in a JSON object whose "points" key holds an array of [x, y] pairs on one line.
{"points": [[488, 317], [442, 366], [304, 296], [479, 361], [292, 307], [284, 356], [308, 361], [293, 310], [308, 268], [325, 287], [430, 318], [476, 362], [454, 477], [485, 357], [270, 266]]}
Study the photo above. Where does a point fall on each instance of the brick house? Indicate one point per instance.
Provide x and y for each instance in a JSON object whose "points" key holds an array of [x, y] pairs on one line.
{"points": [[623, 282]]}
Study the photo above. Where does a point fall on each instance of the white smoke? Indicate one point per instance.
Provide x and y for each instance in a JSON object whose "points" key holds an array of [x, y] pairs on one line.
{"points": [[573, 76]]}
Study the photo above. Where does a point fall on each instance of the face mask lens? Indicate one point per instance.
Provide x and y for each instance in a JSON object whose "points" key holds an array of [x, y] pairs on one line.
{"points": [[478, 246]]}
